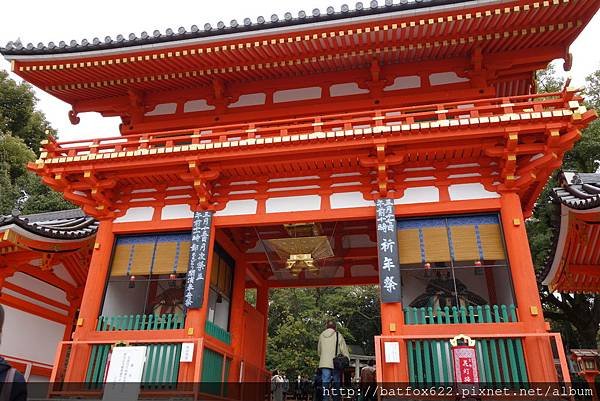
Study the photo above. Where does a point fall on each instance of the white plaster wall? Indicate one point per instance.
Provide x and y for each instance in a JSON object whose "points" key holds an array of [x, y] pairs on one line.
{"points": [[346, 89], [407, 82], [33, 284], [171, 212], [470, 191], [292, 95], [136, 214], [419, 195], [30, 337], [348, 199], [238, 207], [122, 300], [218, 312], [61, 272], [444, 78], [293, 203], [250, 99], [197, 105], [161, 109]]}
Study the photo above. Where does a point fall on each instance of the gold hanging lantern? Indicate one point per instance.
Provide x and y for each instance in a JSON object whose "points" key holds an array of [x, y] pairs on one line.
{"points": [[300, 253]]}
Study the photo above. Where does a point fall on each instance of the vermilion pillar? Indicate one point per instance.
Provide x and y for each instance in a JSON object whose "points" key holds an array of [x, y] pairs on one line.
{"points": [[538, 352], [94, 285], [236, 319], [392, 323], [262, 305], [91, 300]]}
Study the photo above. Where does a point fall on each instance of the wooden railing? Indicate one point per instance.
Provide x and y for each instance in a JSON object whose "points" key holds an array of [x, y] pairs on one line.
{"points": [[207, 376], [499, 361], [140, 322], [483, 111], [426, 359], [462, 315], [217, 332], [160, 370], [28, 367]]}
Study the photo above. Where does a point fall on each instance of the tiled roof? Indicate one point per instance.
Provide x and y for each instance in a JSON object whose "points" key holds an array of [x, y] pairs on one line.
{"points": [[65, 224], [579, 191], [585, 352], [207, 30]]}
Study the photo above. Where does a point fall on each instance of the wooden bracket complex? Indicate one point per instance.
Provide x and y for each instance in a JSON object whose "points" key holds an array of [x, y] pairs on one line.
{"points": [[381, 162], [202, 183]]}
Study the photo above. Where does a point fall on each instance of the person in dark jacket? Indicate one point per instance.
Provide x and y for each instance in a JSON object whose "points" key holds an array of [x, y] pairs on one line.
{"points": [[12, 383]]}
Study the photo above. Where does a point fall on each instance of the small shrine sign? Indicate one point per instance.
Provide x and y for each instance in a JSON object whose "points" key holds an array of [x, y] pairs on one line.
{"points": [[464, 359], [193, 296], [387, 251]]}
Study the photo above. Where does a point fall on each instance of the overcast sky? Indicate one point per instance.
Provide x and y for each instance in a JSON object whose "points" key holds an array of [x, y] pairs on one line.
{"points": [[56, 20]]}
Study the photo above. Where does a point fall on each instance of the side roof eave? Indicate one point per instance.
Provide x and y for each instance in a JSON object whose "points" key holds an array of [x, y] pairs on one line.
{"points": [[551, 268], [55, 228]]}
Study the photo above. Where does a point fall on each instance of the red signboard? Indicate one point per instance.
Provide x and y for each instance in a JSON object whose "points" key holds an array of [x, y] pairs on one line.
{"points": [[465, 364]]}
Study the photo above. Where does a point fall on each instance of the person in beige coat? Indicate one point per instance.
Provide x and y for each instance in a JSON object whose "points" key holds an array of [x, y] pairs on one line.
{"points": [[326, 348]]}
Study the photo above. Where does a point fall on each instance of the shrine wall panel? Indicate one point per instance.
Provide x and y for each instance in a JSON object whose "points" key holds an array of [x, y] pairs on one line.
{"points": [[239, 207], [136, 214], [21, 336], [293, 203], [170, 212], [343, 200], [61, 272], [470, 191], [32, 284], [419, 195]]}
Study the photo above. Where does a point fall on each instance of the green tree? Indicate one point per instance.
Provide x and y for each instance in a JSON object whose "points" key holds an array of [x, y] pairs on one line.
{"points": [[21, 130], [298, 315], [18, 115], [577, 316]]}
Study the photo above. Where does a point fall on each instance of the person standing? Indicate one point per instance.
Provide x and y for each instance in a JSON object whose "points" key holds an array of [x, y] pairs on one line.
{"points": [[277, 386], [317, 386], [298, 388], [368, 381], [331, 344], [13, 386], [286, 386]]}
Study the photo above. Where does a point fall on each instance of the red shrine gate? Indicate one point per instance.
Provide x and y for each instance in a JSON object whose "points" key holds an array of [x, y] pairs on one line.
{"points": [[286, 133]]}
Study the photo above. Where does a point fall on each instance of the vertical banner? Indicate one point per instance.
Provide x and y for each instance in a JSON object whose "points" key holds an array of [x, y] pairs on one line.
{"points": [[387, 251], [196, 275], [466, 376]]}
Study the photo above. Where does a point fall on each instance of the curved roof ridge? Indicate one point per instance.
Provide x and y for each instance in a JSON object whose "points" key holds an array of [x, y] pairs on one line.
{"points": [[580, 191], [63, 224], [247, 25]]}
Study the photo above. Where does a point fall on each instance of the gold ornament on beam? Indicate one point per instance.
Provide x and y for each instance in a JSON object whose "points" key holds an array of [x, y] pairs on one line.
{"points": [[300, 253]]}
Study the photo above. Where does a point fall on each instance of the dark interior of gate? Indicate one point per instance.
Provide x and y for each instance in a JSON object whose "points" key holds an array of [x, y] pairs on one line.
{"points": [[439, 278], [307, 254]]}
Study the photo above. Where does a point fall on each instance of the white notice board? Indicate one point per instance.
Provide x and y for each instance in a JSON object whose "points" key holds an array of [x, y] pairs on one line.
{"points": [[392, 352], [187, 352], [124, 373]]}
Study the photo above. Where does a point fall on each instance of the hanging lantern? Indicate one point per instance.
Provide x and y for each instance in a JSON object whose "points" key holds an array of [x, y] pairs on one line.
{"points": [[427, 267], [132, 281], [172, 278], [478, 269]]}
